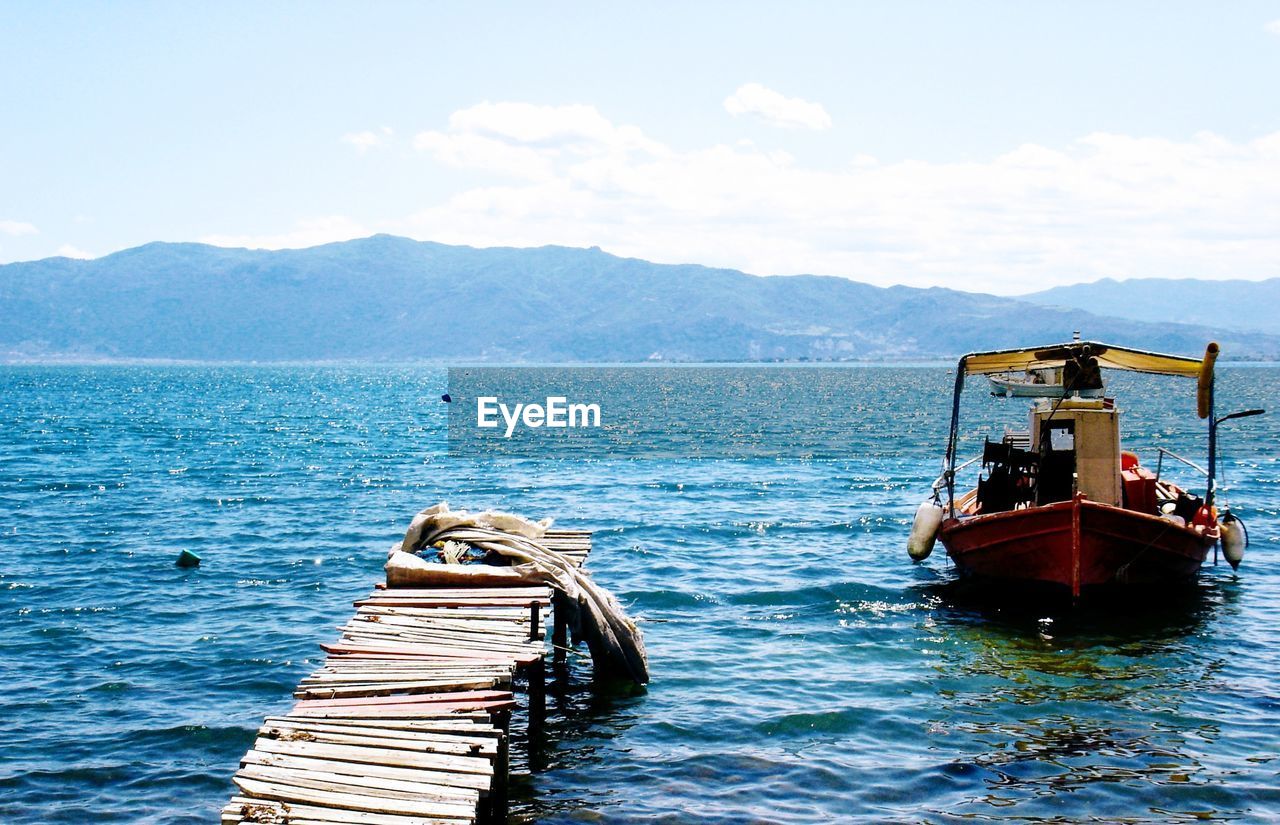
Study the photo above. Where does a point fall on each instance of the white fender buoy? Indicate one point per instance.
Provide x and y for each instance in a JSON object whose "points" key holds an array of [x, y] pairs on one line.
{"points": [[924, 530], [1234, 539]]}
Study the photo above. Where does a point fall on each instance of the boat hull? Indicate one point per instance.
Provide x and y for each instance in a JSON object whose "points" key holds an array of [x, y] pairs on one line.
{"points": [[1076, 545]]}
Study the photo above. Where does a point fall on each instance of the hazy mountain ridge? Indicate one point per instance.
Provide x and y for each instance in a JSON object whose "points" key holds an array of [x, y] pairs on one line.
{"points": [[389, 298], [1235, 304]]}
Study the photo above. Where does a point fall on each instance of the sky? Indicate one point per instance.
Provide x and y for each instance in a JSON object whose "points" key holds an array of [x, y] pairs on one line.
{"points": [[1004, 147]]}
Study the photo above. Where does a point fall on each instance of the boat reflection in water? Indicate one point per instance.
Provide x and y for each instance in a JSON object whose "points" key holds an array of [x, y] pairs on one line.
{"points": [[1105, 702]]}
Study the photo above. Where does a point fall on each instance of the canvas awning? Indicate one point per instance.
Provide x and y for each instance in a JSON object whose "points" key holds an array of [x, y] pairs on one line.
{"points": [[1055, 355]]}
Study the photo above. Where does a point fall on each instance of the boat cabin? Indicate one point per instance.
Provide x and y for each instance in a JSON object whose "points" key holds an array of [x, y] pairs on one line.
{"points": [[1072, 446], [1078, 443]]}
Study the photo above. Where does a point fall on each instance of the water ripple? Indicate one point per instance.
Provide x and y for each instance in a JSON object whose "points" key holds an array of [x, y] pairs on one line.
{"points": [[803, 669]]}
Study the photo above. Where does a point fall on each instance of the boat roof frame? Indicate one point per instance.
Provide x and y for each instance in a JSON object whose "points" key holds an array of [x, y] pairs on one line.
{"points": [[1053, 355], [1056, 355]]}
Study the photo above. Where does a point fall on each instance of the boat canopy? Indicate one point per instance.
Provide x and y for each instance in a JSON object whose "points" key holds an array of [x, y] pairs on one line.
{"points": [[1080, 353], [1055, 355]]}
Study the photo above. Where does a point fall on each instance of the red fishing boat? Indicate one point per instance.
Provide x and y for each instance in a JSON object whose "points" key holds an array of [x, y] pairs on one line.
{"points": [[1062, 504]]}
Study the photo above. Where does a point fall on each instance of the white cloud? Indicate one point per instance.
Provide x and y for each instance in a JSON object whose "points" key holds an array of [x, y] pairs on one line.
{"points": [[16, 228], [1273, 26], [527, 123], [1032, 217], [776, 109], [574, 127], [368, 139], [524, 140], [466, 150], [69, 251], [308, 232]]}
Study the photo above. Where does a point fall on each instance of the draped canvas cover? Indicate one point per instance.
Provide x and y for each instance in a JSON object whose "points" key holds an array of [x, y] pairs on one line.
{"points": [[1055, 355], [616, 644]]}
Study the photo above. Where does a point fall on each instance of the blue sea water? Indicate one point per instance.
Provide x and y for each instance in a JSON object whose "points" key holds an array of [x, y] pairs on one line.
{"points": [[803, 670]]}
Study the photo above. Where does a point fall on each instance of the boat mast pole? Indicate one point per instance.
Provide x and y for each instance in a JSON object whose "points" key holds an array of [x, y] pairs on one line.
{"points": [[953, 438], [1213, 453], [1204, 408]]}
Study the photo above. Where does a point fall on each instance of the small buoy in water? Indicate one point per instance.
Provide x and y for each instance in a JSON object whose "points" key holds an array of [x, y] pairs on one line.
{"points": [[1234, 539], [446, 398], [187, 559], [924, 530]]}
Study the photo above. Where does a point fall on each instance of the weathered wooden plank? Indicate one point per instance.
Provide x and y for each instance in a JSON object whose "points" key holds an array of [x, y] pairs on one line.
{"points": [[479, 724], [429, 599], [429, 635], [357, 656], [498, 593], [393, 688], [383, 677], [428, 778], [399, 711], [460, 765], [422, 670], [340, 663], [442, 804], [443, 640], [385, 647], [451, 604], [499, 613], [388, 687], [509, 592], [261, 811], [485, 743], [440, 637], [457, 723], [512, 626], [424, 744], [442, 711], [395, 616], [319, 686], [425, 650], [410, 699], [407, 649], [350, 801]]}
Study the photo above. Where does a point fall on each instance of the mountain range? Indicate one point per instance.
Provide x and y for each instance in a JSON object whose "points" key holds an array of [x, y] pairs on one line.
{"points": [[1235, 304], [390, 298]]}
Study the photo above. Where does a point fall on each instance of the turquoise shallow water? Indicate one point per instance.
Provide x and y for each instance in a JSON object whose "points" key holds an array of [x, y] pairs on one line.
{"points": [[803, 669]]}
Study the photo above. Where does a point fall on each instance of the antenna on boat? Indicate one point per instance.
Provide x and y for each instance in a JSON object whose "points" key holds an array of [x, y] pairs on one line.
{"points": [[1213, 450], [1241, 414]]}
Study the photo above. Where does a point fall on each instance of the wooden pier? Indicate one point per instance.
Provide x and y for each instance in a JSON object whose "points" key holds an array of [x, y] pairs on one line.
{"points": [[408, 720]]}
